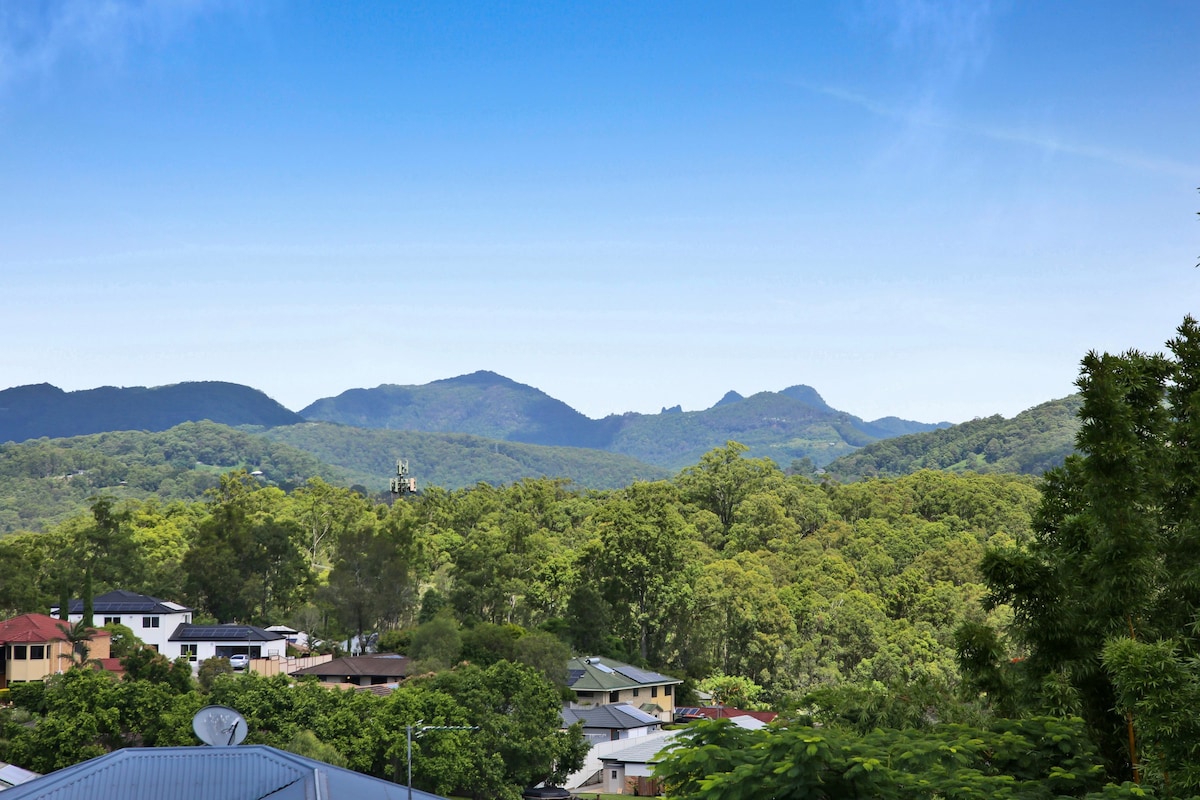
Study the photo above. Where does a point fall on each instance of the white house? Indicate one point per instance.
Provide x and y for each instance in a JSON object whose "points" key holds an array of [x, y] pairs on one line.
{"points": [[152, 620], [199, 642]]}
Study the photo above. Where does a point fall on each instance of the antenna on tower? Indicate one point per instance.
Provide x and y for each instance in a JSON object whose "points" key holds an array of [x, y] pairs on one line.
{"points": [[402, 484]]}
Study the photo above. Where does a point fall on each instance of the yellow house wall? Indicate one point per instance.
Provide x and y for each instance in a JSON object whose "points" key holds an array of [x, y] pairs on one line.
{"points": [[57, 659]]}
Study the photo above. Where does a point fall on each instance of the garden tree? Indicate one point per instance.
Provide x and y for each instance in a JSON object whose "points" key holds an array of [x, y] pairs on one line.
{"points": [[731, 690], [121, 640], [144, 664], [518, 742], [79, 636], [436, 644], [211, 669], [1117, 556], [723, 479], [641, 559], [245, 562], [1032, 758]]}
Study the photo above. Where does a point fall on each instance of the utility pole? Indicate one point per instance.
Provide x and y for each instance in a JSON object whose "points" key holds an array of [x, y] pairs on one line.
{"points": [[421, 729]]}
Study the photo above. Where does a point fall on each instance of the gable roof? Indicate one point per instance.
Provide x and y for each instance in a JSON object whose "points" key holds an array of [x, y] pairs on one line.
{"points": [[645, 751], [597, 674], [35, 628], [619, 716], [386, 665], [249, 772], [230, 632]]}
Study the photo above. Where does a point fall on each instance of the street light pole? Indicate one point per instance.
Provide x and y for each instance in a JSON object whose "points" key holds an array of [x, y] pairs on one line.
{"points": [[421, 729]]}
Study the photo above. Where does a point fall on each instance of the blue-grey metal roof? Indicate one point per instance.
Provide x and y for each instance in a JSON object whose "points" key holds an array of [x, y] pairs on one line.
{"points": [[250, 772], [615, 716], [123, 601], [229, 632], [643, 750]]}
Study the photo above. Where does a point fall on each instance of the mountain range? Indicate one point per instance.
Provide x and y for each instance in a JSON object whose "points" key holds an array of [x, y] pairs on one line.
{"points": [[791, 424], [173, 441]]}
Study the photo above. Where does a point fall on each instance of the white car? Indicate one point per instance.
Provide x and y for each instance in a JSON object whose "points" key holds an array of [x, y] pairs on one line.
{"points": [[239, 661]]}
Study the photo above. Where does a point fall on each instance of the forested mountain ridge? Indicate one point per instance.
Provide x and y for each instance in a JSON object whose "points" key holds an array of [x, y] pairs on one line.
{"points": [[47, 480], [790, 424], [34, 411], [456, 460], [1029, 444]]}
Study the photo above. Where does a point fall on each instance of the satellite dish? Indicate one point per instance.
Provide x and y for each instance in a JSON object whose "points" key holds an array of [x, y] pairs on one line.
{"points": [[219, 726]]}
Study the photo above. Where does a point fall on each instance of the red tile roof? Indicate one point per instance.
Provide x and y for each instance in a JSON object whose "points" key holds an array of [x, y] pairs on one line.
{"points": [[34, 628]]}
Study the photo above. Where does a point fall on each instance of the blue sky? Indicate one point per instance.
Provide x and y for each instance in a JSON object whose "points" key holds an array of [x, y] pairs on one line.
{"points": [[929, 210]]}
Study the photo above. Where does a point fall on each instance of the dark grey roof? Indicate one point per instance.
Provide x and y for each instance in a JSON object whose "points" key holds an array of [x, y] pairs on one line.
{"points": [[123, 601], [230, 632], [382, 665], [619, 716], [250, 772]]}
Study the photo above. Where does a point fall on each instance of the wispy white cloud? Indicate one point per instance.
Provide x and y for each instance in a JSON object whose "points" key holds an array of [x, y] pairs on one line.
{"points": [[36, 37], [925, 115]]}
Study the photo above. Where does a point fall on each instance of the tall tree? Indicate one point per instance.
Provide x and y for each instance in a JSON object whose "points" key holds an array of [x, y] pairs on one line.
{"points": [[1117, 551]]}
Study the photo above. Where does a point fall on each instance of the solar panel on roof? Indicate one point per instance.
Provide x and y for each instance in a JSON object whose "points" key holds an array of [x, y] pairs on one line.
{"points": [[574, 675], [601, 667], [641, 675]]}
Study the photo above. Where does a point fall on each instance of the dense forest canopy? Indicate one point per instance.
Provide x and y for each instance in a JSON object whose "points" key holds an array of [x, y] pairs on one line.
{"points": [[943, 633]]}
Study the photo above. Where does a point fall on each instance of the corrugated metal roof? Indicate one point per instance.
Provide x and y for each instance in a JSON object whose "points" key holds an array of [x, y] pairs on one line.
{"points": [[644, 752], [621, 716], [208, 773]]}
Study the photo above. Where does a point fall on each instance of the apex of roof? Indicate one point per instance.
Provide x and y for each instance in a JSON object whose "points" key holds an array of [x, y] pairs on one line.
{"points": [[599, 674], [36, 628], [123, 601], [386, 665]]}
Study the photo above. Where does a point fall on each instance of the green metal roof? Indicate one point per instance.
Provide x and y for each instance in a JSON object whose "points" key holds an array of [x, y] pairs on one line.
{"points": [[598, 674]]}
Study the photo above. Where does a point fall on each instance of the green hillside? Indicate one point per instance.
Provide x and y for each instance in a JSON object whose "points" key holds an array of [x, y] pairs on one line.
{"points": [[47, 480], [1028, 444], [454, 460]]}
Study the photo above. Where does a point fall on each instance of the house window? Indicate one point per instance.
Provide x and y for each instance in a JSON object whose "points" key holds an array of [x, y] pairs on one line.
{"points": [[667, 691], [149, 622], [614, 697], [654, 691], [112, 620], [635, 692], [188, 651], [37, 652], [18, 652], [614, 772]]}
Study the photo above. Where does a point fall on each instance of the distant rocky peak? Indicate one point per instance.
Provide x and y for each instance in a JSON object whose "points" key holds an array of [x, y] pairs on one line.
{"points": [[730, 397]]}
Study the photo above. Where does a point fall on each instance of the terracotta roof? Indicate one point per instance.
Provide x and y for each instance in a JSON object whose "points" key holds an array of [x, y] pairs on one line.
{"points": [[35, 628], [725, 712], [387, 666]]}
